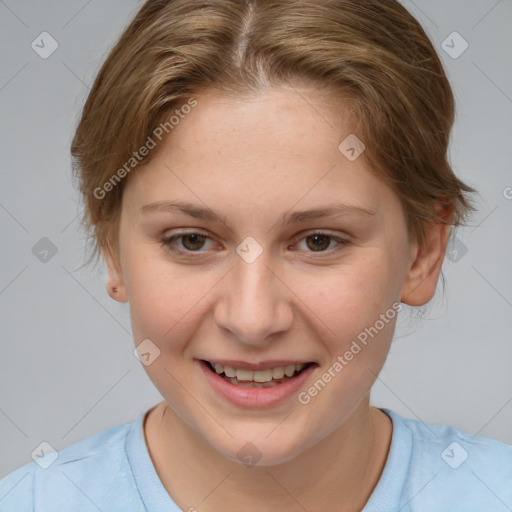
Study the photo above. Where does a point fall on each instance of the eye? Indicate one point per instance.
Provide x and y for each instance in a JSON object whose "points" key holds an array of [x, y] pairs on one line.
{"points": [[190, 242], [322, 242]]}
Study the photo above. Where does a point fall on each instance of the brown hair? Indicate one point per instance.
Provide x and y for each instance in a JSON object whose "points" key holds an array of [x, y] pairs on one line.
{"points": [[374, 55]]}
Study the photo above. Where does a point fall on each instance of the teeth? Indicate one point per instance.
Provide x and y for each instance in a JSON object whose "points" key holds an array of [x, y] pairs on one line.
{"points": [[289, 370], [263, 375], [230, 372], [278, 373], [260, 375], [244, 374]]}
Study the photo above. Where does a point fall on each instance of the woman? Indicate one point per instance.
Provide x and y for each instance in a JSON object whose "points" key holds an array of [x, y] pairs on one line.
{"points": [[268, 183]]}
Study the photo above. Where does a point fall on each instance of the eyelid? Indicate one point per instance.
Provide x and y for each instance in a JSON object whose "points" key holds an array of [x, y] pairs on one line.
{"points": [[320, 231]]}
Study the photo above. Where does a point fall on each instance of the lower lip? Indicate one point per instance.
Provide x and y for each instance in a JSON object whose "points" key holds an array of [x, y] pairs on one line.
{"points": [[254, 397]]}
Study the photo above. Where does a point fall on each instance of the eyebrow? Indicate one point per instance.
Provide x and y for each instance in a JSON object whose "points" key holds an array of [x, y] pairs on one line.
{"points": [[203, 213]]}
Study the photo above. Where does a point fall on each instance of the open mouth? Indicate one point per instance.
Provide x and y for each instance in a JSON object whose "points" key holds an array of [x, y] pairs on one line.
{"points": [[267, 378]]}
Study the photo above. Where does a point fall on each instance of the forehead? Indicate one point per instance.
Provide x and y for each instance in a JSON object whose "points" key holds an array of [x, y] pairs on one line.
{"points": [[276, 121], [280, 147]]}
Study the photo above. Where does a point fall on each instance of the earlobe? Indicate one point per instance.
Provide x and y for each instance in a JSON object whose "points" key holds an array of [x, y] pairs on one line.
{"points": [[421, 280], [115, 282]]}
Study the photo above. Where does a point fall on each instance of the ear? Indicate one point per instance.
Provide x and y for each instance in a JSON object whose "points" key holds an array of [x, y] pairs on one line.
{"points": [[115, 282], [427, 259]]}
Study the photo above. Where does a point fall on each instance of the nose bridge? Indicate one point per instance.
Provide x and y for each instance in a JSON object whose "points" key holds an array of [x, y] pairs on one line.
{"points": [[253, 304]]}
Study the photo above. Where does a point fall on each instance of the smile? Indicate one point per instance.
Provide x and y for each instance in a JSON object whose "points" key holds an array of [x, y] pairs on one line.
{"points": [[269, 377], [260, 385]]}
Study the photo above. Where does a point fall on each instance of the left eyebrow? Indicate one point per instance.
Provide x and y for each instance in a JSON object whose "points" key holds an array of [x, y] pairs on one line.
{"points": [[330, 211], [200, 212]]}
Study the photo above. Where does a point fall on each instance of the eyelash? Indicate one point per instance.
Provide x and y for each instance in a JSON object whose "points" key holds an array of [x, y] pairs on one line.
{"points": [[169, 243]]}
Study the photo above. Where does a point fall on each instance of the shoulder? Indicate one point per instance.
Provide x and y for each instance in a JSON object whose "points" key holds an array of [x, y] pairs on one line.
{"points": [[450, 467], [78, 477]]}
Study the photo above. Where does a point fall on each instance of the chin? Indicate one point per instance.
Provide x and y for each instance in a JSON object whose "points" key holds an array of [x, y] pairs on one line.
{"points": [[259, 449]]}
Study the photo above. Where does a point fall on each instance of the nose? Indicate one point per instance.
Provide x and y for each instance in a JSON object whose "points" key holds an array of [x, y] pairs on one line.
{"points": [[254, 303]]}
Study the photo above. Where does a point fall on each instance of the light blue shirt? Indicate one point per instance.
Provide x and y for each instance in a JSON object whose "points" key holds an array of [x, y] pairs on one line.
{"points": [[430, 468]]}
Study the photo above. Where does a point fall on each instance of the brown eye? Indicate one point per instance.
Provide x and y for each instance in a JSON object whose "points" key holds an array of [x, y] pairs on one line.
{"points": [[187, 243], [318, 242], [321, 242], [193, 242]]}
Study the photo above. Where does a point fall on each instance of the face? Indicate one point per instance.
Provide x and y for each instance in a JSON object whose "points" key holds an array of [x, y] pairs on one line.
{"points": [[223, 274]]}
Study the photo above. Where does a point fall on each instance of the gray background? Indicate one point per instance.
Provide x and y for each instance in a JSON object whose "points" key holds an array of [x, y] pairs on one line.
{"points": [[67, 370]]}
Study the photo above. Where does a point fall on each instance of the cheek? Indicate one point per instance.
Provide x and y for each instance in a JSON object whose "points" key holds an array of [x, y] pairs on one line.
{"points": [[165, 301], [355, 312], [166, 306], [352, 297]]}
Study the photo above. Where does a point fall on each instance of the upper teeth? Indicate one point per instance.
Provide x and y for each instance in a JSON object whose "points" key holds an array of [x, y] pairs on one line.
{"points": [[260, 375]]}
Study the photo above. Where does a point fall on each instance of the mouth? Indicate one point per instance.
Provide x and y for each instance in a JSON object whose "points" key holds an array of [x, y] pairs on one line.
{"points": [[262, 378]]}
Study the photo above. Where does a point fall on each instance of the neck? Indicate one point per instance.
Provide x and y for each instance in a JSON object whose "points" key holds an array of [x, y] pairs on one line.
{"points": [[339, 472]]}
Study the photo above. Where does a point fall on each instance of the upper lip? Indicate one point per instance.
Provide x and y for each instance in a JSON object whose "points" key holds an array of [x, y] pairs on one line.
{"points": [[262, 365]]}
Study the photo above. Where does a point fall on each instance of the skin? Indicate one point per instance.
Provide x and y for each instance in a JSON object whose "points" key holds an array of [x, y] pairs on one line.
{"points": [[252, 160]]}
